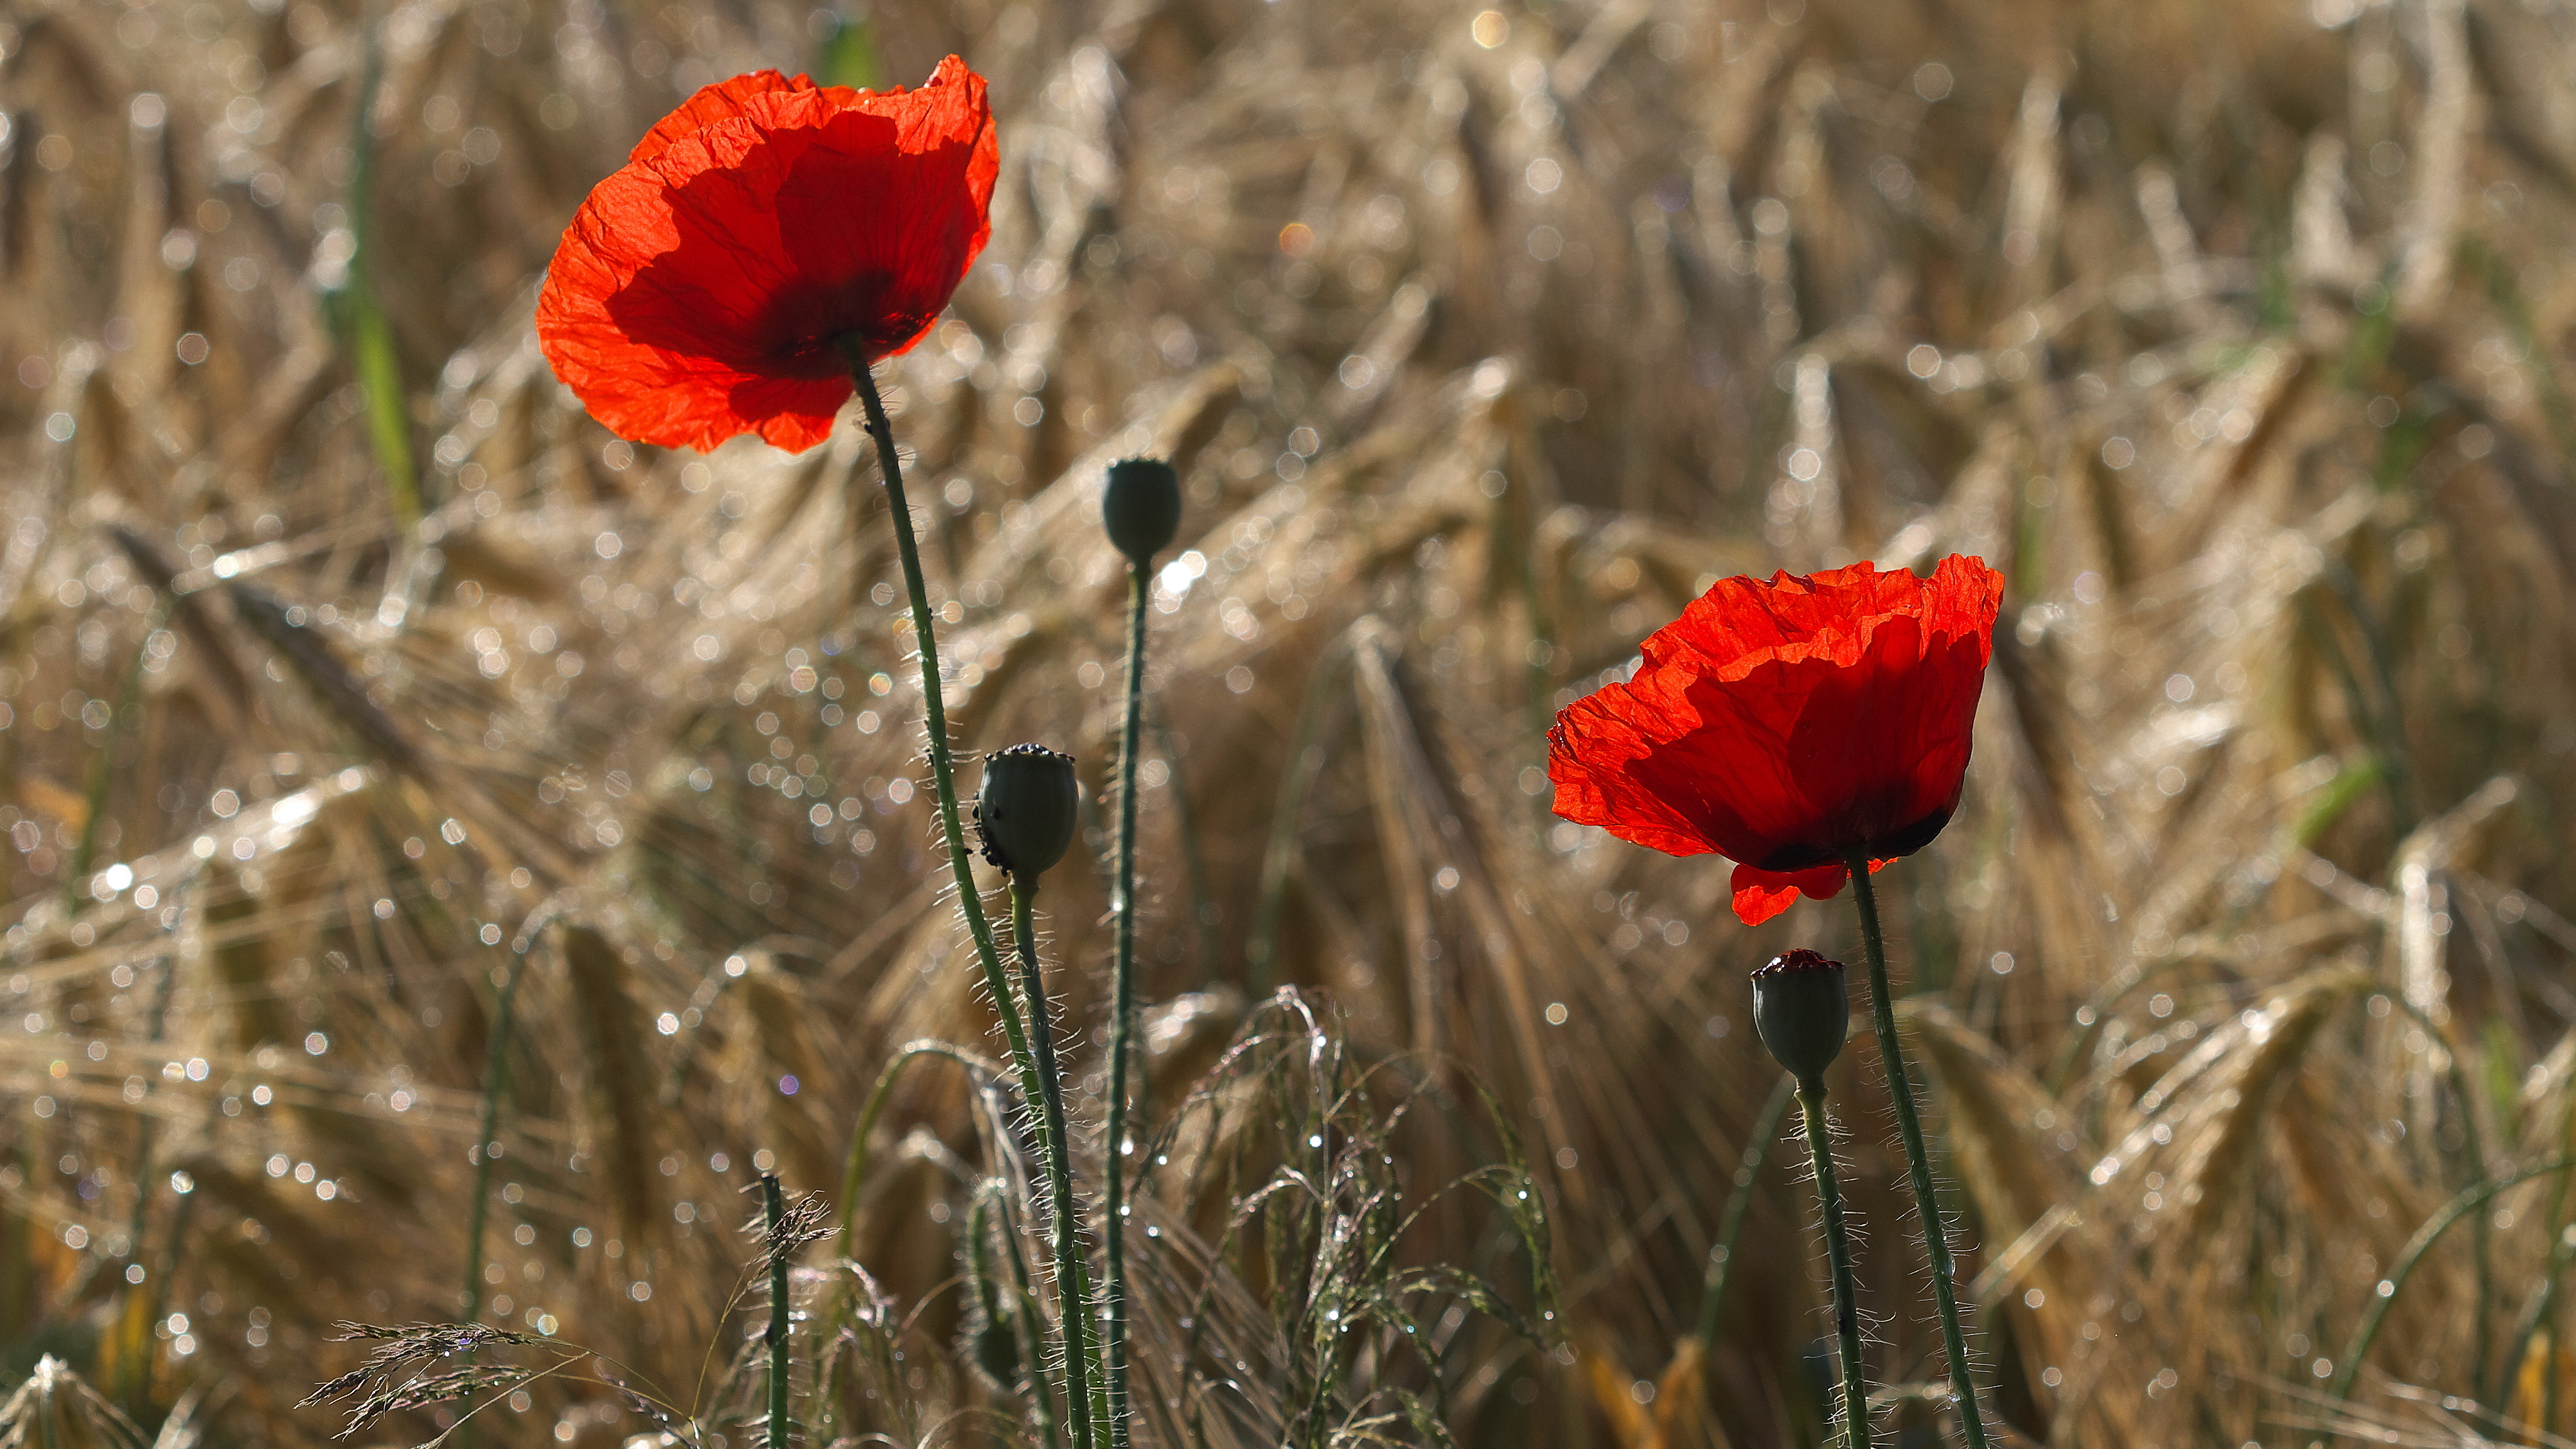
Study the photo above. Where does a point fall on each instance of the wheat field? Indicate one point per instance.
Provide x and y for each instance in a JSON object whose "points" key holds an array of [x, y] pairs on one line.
{"points": [[453, 850]]}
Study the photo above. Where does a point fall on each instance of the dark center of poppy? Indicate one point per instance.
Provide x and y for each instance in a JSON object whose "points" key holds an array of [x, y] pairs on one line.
{"points": [[1904, 840], [800, 326]]}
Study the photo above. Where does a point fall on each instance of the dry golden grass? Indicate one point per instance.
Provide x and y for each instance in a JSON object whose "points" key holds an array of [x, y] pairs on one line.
{"points": [[2230, 334]]}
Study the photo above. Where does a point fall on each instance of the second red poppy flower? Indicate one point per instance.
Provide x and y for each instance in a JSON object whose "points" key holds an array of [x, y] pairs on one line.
{"points": [[1789, 723]]}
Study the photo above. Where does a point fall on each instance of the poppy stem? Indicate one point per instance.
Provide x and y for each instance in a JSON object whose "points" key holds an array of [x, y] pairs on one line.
{"points": [[1113, 1286], [1820, 1150], [1072, 1285], [1918, 1162], [970, 902]]}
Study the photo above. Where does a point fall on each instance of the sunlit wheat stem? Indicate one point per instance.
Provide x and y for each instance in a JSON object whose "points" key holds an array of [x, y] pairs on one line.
{"points": [[1072, 1282], [1122, 1015], [1918, 1161], [1820, 1150]]}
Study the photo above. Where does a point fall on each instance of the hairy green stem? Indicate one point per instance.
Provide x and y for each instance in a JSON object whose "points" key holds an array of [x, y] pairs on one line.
{"points": [[773, 1212], [1918, 1161], [943, 775], [1122, 1016], [1820, 1150], [970, 904], [1032, 1332], [1721, 1254], [1072, 1281]]}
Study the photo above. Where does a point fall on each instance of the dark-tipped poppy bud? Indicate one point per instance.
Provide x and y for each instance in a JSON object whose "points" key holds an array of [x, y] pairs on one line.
{"points": [[1802, 1012], [1025, 812], [1142, 507]]}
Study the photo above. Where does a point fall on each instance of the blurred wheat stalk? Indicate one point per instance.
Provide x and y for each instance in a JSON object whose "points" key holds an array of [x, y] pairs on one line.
{"points": [[1483, 338]]}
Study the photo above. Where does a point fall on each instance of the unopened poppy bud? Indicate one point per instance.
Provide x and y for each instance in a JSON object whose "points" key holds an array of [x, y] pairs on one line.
{"points": [[1142, 507], [1802, 1012], [1026, 810]]}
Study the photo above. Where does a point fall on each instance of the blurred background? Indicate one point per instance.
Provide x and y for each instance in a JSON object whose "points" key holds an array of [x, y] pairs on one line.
{"points": [[392, 761]]}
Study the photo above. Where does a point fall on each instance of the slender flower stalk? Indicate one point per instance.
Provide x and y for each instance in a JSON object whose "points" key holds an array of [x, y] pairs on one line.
{"points": [[997, 984], [943, 775], [1122, 1017], [1073, 1288], [1918, 1162], [1140, 507], [1803, 1014], [1820, 1150]]}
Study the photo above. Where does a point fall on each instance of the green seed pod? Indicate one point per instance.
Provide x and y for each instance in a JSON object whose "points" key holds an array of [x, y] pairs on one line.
{"points": [[1142, 507], [1026, 810], [1802, 1012]]}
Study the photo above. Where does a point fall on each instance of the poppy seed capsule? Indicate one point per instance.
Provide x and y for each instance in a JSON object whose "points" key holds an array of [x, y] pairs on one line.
{"points": [[1141, 507], [1802, 1012], [1026, 810]]}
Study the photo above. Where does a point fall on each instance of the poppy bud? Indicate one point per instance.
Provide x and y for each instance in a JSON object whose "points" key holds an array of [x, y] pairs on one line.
{"points": [[1801, 1012], [1142, 507], [1025, 812]]}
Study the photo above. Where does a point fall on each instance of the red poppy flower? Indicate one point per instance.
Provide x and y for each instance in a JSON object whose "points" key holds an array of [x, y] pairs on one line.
{"points": [[1788, 724], [701, 289]]}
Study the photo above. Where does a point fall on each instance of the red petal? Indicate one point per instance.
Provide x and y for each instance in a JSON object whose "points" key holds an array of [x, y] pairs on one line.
{"points": [[699, 290], [1762, 894], [721, 101], [1785, 723]]}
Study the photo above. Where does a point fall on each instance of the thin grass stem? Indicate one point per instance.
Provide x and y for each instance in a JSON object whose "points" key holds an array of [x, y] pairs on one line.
{"points": [[773, 1214], [2348, 1367], [1918, 1161], [1820, 1151], [156, 1027], [496, 1087], [854, 1169], [102, 774], [1122, 1017], [2542, 1310], [1072, 1286], [1279, 855], [1739, 1205]]}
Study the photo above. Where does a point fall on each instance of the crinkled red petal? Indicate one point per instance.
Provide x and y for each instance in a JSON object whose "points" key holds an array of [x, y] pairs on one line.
{"points": [[700, 290], [1761, 894], [722, 101], [1784, 724]]}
